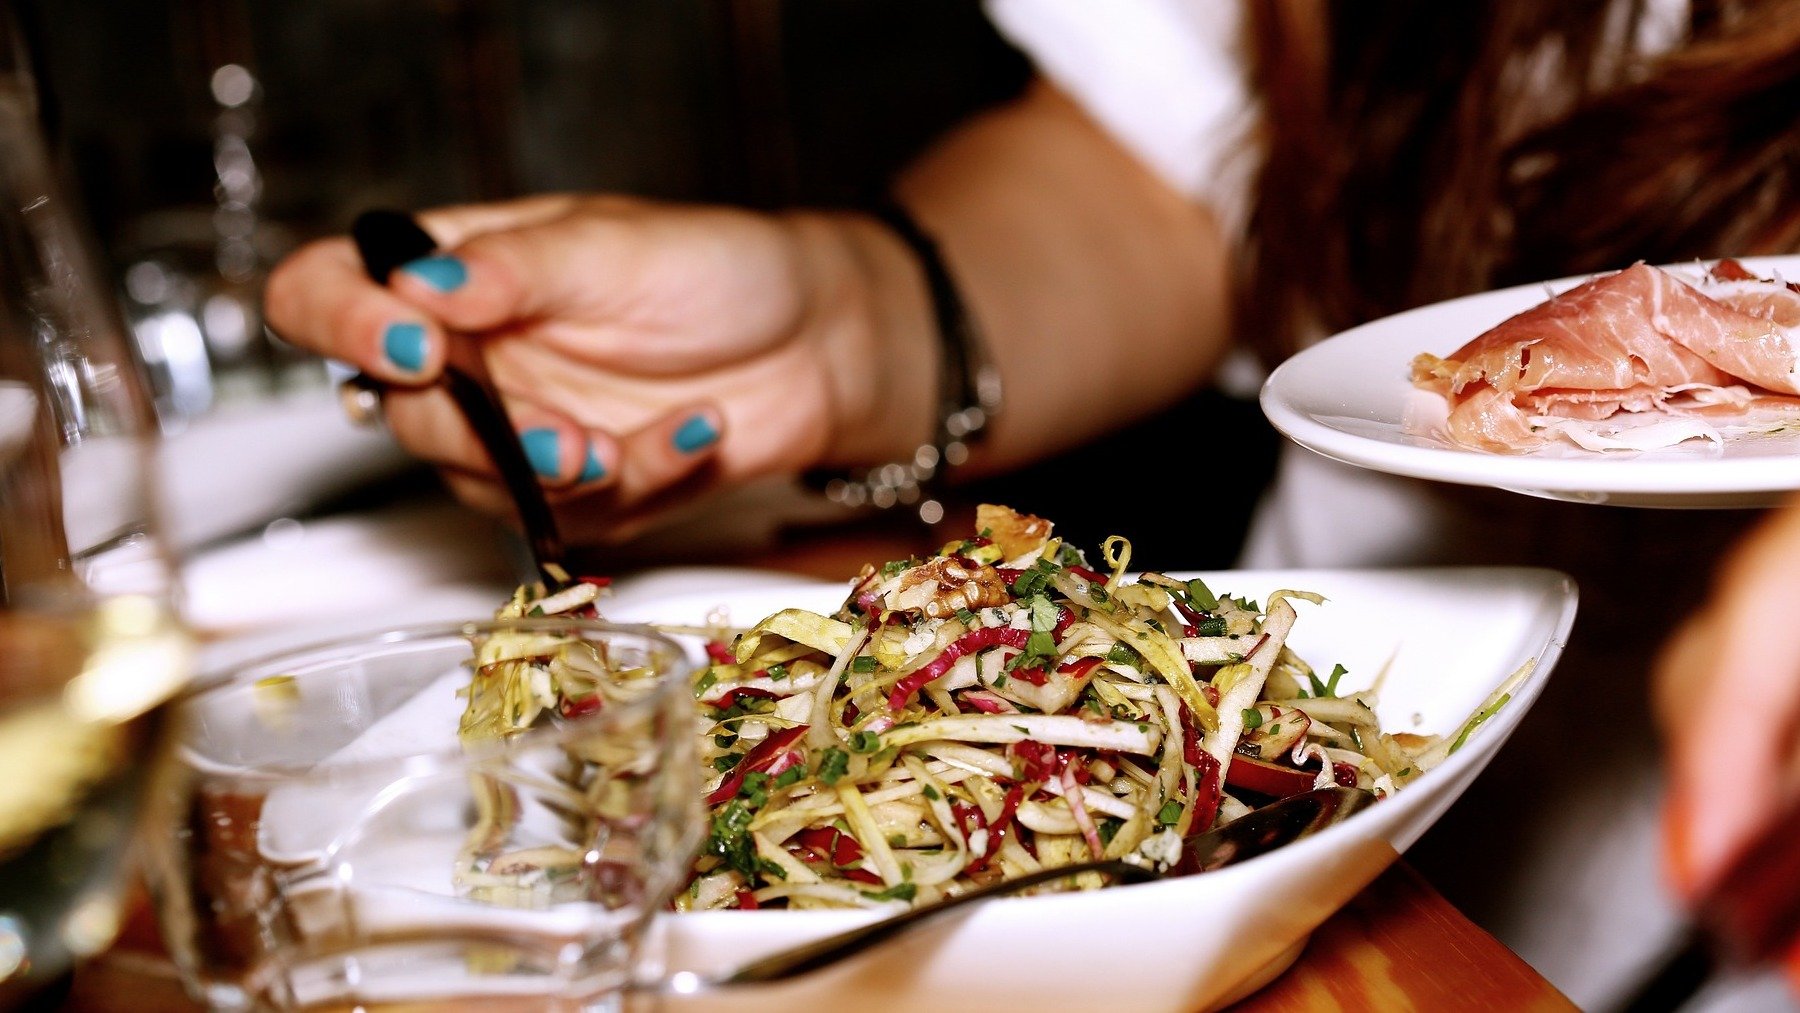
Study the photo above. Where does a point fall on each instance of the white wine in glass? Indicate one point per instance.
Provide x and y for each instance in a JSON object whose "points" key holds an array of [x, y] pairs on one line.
{"points": [[89, 645]]}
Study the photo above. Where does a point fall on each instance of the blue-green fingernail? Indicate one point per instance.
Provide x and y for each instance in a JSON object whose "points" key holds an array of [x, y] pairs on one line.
{"points": [[404, 346], [695, 434], [441, 271], [543, 449], [591, 469]]}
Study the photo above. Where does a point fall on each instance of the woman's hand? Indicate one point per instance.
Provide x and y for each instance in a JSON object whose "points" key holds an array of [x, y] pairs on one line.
{"points": [[643, 350], [1728, 700]]}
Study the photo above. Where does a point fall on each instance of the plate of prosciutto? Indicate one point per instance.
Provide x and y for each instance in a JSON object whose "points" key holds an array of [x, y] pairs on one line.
{"points": [[1675, 386]]}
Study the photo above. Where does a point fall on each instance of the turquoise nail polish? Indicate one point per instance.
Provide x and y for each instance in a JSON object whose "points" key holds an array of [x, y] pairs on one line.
{"points": [[543, 450], [695, 434], [591, 469], [441, 271], [404, 346]]}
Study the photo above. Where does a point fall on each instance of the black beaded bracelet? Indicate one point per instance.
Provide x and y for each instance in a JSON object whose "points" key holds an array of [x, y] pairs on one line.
{"points": [[969, 396]]}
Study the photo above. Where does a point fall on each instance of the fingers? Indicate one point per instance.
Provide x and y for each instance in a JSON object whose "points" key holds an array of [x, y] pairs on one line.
{"points": [[1728, 697], [638, 469], [429, 425], [321, 300]]}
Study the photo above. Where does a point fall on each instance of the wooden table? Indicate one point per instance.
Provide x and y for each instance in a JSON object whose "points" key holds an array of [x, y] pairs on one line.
{"points": [[1399, 945]]}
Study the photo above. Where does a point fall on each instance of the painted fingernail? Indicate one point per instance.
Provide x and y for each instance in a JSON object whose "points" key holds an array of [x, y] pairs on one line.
{"points": [[697, 433], [441, 271], [591, 469], [543, 449], [404, 346]]}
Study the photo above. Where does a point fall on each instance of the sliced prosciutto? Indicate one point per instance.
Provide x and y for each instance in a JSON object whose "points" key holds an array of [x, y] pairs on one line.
{"points": [[1632, 360]]}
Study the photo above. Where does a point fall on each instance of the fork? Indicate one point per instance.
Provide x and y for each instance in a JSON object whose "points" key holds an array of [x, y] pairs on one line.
{"points": [[388, 239]]}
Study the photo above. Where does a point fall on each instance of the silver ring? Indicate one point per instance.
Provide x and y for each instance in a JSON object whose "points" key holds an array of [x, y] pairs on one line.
{"points": [[360, 397]]}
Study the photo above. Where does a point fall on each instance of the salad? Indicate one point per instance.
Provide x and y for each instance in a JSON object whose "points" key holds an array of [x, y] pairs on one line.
{"points": [[1003, 706]]}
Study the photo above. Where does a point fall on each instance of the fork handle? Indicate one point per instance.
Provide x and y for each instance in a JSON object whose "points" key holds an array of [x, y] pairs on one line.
{"points": [[388, 239], [800, 960]]}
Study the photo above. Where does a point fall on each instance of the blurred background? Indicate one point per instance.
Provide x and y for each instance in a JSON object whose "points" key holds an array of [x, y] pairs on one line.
{"points": [[209, 137]]}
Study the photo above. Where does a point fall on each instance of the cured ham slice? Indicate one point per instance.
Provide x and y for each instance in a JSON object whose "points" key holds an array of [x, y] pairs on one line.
{"points": [[1625, 351]]}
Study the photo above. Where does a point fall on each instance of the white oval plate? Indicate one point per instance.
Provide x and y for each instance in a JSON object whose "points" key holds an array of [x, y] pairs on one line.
{"points": [[1348, 398], [1446, 637]]}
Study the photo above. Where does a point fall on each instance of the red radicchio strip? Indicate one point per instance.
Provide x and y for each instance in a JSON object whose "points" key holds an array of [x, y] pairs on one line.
{"points": [[988, 703], [831, 844], [968, 643], [972, 819], [720, 653], [1078, 808], [1207, 789], [762, 757]]}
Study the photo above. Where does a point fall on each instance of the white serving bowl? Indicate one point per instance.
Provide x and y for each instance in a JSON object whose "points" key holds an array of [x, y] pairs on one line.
{"points": [[1446, 639]]}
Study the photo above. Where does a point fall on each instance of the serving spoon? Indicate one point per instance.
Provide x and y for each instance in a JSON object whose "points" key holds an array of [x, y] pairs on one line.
{"points": [[1255, 833], [386, 240]]}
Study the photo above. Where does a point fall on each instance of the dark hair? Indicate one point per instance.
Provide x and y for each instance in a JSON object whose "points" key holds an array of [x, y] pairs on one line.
{"points": [[1419, 150]]}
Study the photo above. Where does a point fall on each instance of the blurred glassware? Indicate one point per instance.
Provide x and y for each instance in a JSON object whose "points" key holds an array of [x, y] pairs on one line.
{"points": [[327, 840], [193, 276], [89, 645]]}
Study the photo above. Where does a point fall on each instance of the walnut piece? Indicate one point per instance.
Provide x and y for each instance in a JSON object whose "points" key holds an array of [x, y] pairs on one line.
{"points": [[940, 586]]}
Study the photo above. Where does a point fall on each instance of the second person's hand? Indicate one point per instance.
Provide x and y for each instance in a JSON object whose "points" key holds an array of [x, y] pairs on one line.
{"points": [[645, 351]]}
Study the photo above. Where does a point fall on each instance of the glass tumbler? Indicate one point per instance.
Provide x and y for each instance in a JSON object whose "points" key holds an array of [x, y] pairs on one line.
{"points": [[329, 840]]}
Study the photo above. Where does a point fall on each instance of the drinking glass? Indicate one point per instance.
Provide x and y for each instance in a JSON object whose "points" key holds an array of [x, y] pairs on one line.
{"points": [[332, 842], [89, 646]]}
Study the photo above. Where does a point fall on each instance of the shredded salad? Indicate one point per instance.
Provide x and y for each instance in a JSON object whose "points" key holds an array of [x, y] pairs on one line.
{"points": [[1003, 706]]}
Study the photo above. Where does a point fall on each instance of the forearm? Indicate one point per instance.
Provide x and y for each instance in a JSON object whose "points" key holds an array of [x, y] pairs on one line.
{"points": [[1103, 294]]}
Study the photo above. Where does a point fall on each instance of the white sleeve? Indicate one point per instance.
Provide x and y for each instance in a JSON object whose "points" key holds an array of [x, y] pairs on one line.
{"points": [[1168, 78]]}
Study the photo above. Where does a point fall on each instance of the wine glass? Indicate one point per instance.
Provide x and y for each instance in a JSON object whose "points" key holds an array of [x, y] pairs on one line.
{"points": [[326, 839], [89, 645]]}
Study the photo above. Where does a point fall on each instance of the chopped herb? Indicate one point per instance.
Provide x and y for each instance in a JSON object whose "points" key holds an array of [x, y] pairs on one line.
{"points": [[1169, 814], [1274, 729], [932, 793], [1322, 689], [789, 776], [536, 610], [1122, 655], [893, 567], [1069, 555], [708, 680], [769, 868], [965, 617], [777, 672], [1000, 680], [1252, 718], [832, 765], [1108, 829], [1405, 772], [863, 664], [725, 741], [1201, 596], [903, 891], [1036, 579], [1022, 730], [1097, 591], [729, 839], [1210, 628], [755, 789], [726, 762], [896, 840], [864, 741]]}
